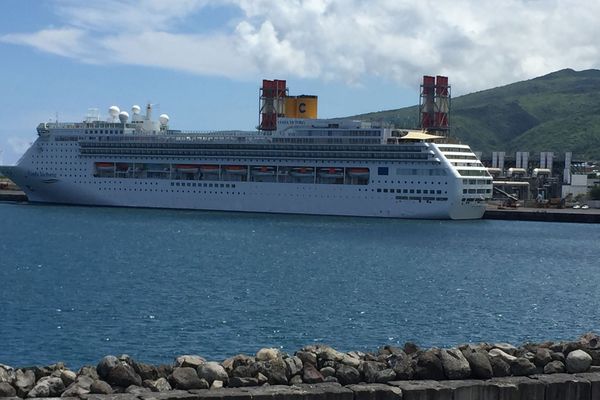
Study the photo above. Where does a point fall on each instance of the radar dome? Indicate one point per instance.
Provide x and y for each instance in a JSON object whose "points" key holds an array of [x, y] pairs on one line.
{"points": [[113, 111], [164, 119], [136, 109], [123, 117]]}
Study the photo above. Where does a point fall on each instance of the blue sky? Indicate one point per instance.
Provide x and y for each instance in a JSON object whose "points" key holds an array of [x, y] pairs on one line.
{"points": [[202, 60]]}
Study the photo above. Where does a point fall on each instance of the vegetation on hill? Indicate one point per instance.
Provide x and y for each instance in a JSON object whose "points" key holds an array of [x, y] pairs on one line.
{"points": [[557, 112]]}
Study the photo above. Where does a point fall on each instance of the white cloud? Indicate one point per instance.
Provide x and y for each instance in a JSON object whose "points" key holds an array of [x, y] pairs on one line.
{"points": [[478, 44], [67, 42]]}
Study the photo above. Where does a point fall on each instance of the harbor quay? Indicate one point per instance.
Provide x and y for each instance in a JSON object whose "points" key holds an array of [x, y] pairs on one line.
{"points": [[561, 370]]}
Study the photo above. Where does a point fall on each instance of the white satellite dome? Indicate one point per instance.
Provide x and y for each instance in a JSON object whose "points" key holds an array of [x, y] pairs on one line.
{"points": [[123, 116], [113, 111], [136, 109], [164, 119]]}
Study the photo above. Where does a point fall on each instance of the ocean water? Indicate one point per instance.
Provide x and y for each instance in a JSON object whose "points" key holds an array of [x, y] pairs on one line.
{"points": [[77, 283]]}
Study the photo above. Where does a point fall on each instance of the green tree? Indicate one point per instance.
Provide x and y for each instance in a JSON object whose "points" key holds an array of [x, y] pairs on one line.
{"points": [[595, 192]]}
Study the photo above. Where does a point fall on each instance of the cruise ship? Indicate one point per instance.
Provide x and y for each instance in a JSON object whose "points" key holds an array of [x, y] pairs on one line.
{"points": [[300, 166]]}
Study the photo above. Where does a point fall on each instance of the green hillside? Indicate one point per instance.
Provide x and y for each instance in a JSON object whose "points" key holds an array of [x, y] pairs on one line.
{"points": [[556, 112]]}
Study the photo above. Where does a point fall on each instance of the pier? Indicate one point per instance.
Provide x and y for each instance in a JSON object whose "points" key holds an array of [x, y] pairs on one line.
{"points": [[12, 195], [590, 215]]}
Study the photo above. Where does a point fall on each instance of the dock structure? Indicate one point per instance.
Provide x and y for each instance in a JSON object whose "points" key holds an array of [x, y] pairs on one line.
{"points": [[12, 195], [591, 215]]}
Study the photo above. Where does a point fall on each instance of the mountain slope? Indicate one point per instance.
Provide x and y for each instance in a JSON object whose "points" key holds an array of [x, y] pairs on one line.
{"points": [[556, 112]]}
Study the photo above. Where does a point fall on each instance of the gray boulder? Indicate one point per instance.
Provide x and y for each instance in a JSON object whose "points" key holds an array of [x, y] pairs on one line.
{"points": [[7, 374], [186, 378], [212, 371], [68, 377], [369, 370], [385, 376], [136, 390], [522, 367], [578, 361], [123, 375], [347, 375], [350, 360], [558, 356], [310, 374], [590, 340], [266, 354], [554, 367], [106, 364], [242, 382], [307, 357], [274, 370], [502, 354], [24, 382], [100, 387], [455, 364], [327, 371], [189, 360], [296, 380], [505, 347], [293, 365], [236, 361], [92, 372], [402, 365], [159, 385], [411, 348], [164, 370], [80, 387], [429, 366], [145, 371], [480, 365], [6, 390], [499, 367], [542, 357], [47, 387]]}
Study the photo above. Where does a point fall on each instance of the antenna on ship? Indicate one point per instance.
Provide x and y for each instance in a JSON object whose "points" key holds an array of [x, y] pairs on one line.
{"points": [[149, 111]]}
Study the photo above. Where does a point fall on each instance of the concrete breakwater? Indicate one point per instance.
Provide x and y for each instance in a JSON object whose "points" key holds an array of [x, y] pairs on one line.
{"points": [[549, 370]]}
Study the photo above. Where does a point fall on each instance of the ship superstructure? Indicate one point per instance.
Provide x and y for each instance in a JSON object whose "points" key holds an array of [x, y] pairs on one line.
{"points": [[303, 166]]}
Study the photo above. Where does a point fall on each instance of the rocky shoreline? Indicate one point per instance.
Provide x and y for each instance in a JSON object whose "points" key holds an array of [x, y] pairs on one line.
{"points": [[313, 364]]}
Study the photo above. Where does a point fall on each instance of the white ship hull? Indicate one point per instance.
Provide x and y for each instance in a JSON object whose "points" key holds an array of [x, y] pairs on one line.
{"points": [[262, 197]]}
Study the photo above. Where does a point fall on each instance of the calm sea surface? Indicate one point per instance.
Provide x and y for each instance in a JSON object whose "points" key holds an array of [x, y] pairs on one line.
{"points": [[77, 283]]}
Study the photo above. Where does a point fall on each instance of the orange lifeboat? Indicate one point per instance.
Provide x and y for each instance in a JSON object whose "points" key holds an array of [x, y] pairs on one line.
{"points": [[187, 168], [302, 172], [209, 169], [105, 166], [263, 171], [235, 169], [331, 172], [358, 172]]}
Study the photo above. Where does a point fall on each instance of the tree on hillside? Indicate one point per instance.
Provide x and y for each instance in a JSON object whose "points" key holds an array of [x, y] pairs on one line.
{"points": [[595, 192]]}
